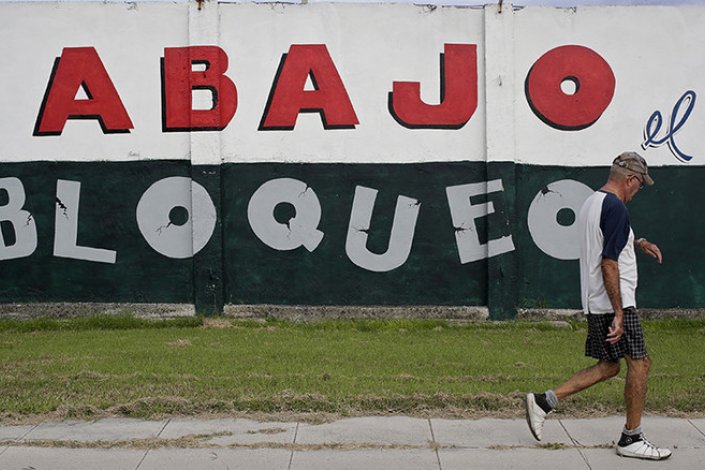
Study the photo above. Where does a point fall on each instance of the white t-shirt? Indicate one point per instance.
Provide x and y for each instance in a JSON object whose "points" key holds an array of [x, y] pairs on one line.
{"points": [[605, 232]]}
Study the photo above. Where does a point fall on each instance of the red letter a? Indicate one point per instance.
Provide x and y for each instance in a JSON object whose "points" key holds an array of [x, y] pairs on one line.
{"points": [[458, 93], [288, 97], [81, 67], [180, 80]]}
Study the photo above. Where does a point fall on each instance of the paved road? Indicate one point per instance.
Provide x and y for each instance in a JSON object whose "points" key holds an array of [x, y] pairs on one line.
{"points": [[356, 443]]}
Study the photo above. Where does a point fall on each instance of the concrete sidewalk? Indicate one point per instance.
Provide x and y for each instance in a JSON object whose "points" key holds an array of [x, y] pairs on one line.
{"points": [[354, 443]]}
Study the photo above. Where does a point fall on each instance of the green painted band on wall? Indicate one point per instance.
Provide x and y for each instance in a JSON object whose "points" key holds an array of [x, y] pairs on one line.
{"points": [[244, 260]]}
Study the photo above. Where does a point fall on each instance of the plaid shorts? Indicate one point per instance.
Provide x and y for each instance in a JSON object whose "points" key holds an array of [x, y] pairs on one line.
{"points": [[631, 344]]}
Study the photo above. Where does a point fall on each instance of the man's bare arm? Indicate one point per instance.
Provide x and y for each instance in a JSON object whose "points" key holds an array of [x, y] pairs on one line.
{"points": [[649, 248], [610, 277]]}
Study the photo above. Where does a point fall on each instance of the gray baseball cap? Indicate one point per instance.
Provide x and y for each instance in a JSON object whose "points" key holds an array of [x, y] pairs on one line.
{"points": [[632, 161]]}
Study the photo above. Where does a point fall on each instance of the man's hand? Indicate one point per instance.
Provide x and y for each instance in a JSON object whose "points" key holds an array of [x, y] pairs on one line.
{"points": [[615, 332], [650, 249]]}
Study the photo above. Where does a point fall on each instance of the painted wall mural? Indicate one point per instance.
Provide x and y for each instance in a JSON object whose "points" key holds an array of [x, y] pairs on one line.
{"points": [[657, 133], [402, 155]]}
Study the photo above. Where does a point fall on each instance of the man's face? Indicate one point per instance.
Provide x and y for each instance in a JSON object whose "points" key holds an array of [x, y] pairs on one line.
{"points": [[634, 183]]}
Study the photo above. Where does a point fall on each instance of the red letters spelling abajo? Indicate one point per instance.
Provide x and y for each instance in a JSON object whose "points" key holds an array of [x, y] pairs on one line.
{"points": [[81, 67]]}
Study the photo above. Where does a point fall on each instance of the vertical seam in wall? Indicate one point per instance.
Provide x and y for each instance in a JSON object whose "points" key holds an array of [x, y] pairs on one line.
{"points": [[486, 159], [434, 444], [488, 269], [194, 281], [500, 144], [293, 447], [221, 199]]}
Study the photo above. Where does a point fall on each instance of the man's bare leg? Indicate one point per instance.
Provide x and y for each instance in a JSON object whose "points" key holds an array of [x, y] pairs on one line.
{"points": [[632, 443], [635, 389], [539, 405], [586, 378]]}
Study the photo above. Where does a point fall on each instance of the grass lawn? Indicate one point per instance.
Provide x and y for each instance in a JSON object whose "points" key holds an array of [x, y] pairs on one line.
{"points": [[125, 366]]}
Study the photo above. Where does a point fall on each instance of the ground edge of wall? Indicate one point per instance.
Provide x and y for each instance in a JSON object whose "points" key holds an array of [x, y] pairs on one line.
{"points": [[297, 313], [27, 311], [303, 313]]}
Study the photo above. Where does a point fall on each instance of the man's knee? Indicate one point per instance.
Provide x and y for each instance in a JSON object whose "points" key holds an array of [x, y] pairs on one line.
{"points": [[641, 365], [609, 369], [647, 363]]}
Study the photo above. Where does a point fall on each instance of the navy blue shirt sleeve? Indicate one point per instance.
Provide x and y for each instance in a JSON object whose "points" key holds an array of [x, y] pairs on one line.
{"points": [[614, 223]]}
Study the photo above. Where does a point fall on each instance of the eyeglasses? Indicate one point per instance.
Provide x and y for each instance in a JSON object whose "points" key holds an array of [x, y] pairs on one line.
{"points": [[640, 179]]}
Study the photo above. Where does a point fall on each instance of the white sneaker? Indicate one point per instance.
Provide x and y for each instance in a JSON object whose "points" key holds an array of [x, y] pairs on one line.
{"points": [[638, 447], [535, 416]]}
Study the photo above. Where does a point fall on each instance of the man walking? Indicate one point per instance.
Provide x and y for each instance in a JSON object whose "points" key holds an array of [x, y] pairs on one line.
{"points": [[608, 280]]}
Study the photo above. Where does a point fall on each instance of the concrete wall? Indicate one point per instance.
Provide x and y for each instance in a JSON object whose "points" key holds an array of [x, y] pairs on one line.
{"points": [[339, 154]]}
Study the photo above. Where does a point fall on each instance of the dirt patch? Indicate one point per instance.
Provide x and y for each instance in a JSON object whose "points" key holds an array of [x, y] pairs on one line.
{"points": [[268, 431], [217, 323], [199, 442]]}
